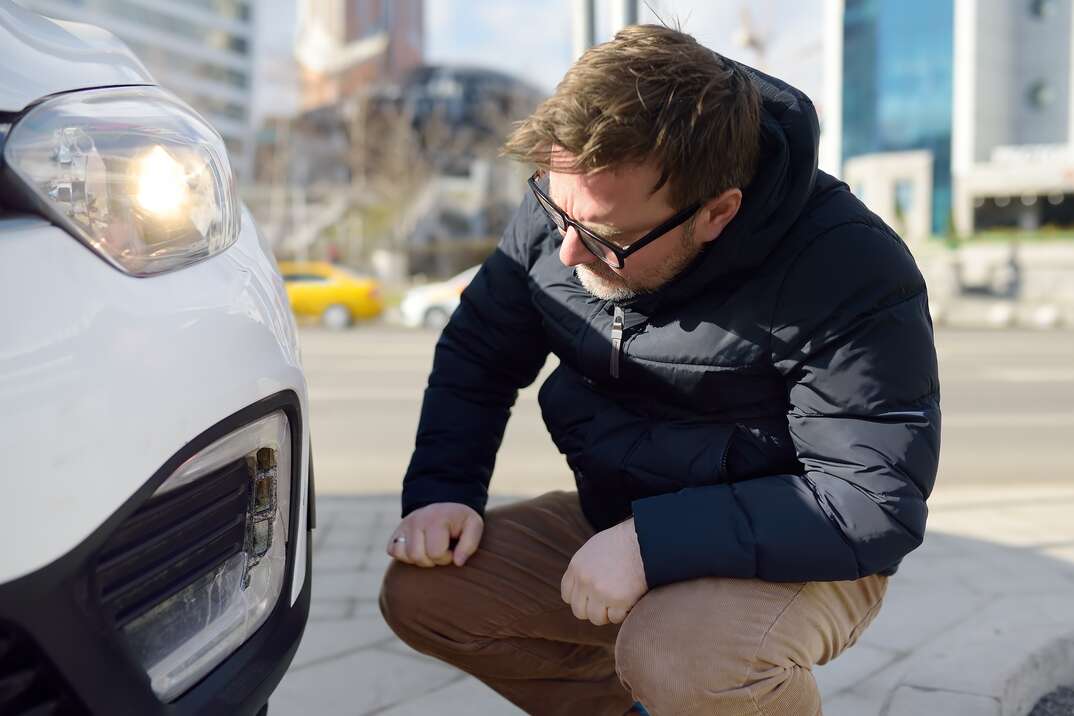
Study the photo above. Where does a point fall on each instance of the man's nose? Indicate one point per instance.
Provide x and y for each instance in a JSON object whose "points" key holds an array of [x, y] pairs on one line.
{"points": [[572, 252]]}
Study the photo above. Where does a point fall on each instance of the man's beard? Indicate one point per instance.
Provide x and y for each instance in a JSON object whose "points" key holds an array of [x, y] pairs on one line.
{"points": [[602, 282]]}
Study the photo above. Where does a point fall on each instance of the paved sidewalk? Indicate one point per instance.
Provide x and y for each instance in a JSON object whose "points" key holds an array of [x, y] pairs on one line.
{"points": [[978, 621]]}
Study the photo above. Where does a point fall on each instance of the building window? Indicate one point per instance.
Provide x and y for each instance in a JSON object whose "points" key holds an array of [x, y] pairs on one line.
{"points": [[156, 56], [1041, 95], [904, 198], [1042, 9]]}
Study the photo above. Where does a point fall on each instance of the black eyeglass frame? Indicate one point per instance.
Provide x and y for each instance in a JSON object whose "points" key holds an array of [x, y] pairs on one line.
{"points": [[620, 252]]}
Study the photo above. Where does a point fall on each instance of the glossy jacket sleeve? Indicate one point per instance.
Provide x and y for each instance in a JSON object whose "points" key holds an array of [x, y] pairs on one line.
{"points": [[853, 338], [492, 346]]}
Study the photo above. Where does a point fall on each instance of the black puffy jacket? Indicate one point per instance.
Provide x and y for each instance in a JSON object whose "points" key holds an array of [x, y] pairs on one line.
{"points": [[775, 412]]}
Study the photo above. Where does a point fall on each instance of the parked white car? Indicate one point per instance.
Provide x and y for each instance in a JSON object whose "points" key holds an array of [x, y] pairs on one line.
{"points": [[156, 490], [431, 305]]}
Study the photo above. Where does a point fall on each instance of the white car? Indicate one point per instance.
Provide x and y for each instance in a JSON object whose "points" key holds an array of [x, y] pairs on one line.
{"points": [[431, 305], [155, 489]]}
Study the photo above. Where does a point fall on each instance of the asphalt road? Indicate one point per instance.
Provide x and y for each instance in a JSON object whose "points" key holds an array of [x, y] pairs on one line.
{"points": [[1007, 399]]}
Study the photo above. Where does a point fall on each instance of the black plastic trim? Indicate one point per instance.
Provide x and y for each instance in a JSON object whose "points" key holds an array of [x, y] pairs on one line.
{"points": [[58, 607], [311, 506]]}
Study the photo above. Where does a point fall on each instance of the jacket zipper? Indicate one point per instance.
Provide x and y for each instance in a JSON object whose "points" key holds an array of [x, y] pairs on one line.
{"points": [[617, 339]]}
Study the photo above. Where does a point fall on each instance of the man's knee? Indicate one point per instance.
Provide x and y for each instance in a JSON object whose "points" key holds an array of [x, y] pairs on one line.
{"points": [[401, 594], [687, 665], [433, 609], [651, 659]]}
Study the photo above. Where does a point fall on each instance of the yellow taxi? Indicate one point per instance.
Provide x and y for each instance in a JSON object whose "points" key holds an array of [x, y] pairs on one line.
{"points": [[330, 293]]}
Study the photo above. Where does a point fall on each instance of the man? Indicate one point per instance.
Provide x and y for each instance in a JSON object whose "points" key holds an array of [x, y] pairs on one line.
{"points": [[746, 395]]}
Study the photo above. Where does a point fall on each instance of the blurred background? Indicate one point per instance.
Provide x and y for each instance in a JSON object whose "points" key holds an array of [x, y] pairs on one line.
{"points": [[365, 136]]}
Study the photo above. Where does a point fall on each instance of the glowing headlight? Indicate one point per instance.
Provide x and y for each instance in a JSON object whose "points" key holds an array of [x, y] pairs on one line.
{"points": [[132, 172]]}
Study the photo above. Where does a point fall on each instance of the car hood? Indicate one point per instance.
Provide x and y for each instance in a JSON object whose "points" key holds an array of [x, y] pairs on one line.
{"points": [[40, 56]]}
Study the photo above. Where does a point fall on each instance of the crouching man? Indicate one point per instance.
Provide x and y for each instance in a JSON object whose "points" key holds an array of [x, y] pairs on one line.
{"points": [[746, 396]]}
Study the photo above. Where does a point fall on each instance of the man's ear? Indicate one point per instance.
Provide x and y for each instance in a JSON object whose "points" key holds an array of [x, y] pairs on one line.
{"points": [[715, 214]]}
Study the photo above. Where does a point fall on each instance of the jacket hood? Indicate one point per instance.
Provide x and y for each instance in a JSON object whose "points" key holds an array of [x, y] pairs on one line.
{"points": [[771, 203]]}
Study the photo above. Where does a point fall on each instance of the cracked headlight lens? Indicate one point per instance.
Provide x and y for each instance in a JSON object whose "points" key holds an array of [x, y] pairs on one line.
{"points": [[132, 172]]}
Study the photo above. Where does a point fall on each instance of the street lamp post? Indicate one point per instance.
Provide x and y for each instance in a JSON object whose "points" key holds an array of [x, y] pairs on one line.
{"points": [[583, 21]]}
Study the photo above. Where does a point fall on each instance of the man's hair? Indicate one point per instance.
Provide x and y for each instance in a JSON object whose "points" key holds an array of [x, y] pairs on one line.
{"points": [[651, 94]]}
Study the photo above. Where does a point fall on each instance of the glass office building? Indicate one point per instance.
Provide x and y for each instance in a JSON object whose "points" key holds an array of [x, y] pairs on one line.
{"points": [[898, 62]]}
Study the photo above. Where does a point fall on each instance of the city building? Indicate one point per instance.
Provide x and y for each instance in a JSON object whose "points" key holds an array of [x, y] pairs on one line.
{"points": [[426, 148], [345, 46], [200, 49], [953, 116]]}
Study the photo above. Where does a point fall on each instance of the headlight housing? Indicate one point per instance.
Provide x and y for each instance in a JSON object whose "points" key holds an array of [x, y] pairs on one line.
{"points": [[132, 172], [201, 565]]}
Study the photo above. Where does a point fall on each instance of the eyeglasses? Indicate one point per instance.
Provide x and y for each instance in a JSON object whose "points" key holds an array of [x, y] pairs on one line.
{"points": [[609, 253]]}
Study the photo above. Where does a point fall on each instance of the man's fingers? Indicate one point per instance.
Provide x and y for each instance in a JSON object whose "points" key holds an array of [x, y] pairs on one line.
{"points": [[415, 549], [437, 540], [596, 612], [580, 605], [616, 615], [566, 586], [469, 539], [397, 550]]}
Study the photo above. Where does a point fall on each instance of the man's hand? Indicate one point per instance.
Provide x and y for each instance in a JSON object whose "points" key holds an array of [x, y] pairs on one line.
{"points": [[606, 577], [424, 536]]}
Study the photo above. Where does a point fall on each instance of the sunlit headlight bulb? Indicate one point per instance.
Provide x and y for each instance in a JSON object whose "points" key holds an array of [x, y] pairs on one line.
{"points": [[132, 172], [162, 183]]}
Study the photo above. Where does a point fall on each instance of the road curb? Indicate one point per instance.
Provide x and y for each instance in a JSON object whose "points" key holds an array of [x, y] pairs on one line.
{"points": [[1018, 649]]}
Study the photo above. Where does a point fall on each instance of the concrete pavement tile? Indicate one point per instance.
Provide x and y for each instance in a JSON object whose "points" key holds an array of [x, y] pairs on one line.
{"points": [[854, 704], [954, 496], [844, 706], [465, 697], [993, 527], [937, 544], [850, 668], [361, 537], [1015, 651], [870, 696], [1061, 552], [376, 560], [332, 609], [1001, 571], [336, 559], [357, 684], [401, 647], [351, 584], [363, 527], [919, 567], [912, 616], [326, 640], [367, 608], [319, 536], [1048, 518], [964, 659], [1001, 654], [342, 505], [909, 701]]}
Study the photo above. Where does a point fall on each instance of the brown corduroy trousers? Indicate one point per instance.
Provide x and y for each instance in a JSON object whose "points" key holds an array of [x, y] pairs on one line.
{"points": [[705, 646]]}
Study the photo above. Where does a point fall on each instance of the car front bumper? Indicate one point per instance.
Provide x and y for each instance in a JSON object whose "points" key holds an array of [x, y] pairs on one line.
{"points": [[108, 383]]}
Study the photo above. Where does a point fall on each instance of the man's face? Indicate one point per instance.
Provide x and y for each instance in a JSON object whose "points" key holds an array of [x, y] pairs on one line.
{"points": [[617, 205]]}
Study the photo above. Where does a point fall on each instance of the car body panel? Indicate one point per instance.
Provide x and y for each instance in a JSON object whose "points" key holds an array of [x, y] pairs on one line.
{"points": [[43, 56], [103, 377], [313, 286]]}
